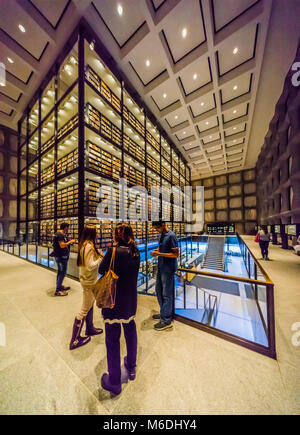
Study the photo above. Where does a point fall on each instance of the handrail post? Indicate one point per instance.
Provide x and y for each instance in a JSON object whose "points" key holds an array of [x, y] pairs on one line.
{"points": [[271, 320], [184, 295]]}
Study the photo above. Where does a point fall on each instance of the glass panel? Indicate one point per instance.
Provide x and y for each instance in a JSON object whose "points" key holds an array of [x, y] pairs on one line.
{"points": [[68, 71], [33, 118], [48, 99], [23, 182], [226, 305], [23, 157], [47, 133]]}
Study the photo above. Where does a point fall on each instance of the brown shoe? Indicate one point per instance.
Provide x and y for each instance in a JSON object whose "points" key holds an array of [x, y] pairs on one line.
{"points": [[61, 293]]}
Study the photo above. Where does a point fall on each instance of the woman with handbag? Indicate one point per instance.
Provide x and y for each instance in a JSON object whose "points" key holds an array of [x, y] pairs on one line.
{"points": [[88, 260], [126, 267]]}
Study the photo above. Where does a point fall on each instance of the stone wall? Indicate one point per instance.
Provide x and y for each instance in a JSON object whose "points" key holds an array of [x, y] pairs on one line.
{"points": [[278, 165], [8, 182], [231, 198]]}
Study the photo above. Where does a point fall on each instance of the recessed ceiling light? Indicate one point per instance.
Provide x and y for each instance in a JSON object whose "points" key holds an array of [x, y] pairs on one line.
{"points": [[234, 128], [165, 95], [92, 45], [10, 60], [147, 62], [207, 123], [202, 104], [184, 132], [195, 76], [235, 50], [184, 32], [176, 116], [120, 10], [234, 111], [235, 87], [210, 137], [22, 28]]}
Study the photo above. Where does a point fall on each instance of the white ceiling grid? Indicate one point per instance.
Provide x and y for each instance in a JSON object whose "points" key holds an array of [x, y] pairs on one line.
{"points": [[200, 91]]}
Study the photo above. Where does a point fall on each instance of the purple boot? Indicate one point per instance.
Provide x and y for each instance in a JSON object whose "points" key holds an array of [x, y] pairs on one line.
{"points": [[114, 390], [77, 340], [90, 329]]}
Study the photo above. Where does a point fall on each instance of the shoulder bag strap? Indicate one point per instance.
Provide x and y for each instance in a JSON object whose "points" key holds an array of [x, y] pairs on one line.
{"points": [[112, 260]]}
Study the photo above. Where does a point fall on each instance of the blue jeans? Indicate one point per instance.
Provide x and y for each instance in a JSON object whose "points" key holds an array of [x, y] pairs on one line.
{"points": [[165, 294], [62, 264]]}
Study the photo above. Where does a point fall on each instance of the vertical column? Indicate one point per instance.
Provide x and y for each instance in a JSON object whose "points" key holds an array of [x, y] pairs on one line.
{"points": [[81, 136], [56, 78], [18, 180], [26, 195], [39, 169]]}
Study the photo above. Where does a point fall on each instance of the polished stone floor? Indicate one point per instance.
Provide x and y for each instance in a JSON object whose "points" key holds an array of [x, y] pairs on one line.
{"points": [[180, 371]]}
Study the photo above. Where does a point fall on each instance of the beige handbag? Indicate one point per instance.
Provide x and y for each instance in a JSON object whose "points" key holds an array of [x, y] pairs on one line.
{"points": [[106, 286]]}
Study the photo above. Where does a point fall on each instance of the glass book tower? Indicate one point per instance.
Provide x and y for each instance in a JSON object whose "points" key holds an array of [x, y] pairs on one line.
{"points": [[85, 129]]}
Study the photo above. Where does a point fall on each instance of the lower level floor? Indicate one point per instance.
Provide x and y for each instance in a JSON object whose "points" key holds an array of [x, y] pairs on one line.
{"points": [[180, 371]]}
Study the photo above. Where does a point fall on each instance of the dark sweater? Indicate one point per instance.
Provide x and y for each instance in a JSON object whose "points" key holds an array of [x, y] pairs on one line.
{"points": [[126, 267]]}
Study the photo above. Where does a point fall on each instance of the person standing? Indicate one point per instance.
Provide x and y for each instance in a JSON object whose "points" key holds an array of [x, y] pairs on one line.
{"points": [[167, 254], [61, 253], [264, 240], [88, 260], [126, 267]]}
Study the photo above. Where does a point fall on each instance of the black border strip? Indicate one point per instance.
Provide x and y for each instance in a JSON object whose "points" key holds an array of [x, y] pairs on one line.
{"points": [[165, 106], [12, 99], [202, 113], [156, 9], [238, 117], [23, 48]]}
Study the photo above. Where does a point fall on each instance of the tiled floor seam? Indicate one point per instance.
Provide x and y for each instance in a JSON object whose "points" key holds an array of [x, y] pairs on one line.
{"points": [[59, 356]]}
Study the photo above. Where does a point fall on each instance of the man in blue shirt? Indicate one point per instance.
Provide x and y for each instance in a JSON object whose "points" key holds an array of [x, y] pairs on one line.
{"points": [[167, 254]]}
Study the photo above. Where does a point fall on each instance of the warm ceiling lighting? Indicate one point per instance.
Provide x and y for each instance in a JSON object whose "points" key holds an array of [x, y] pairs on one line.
{"points": [[184, 132], [207, 123], [10, 60], [234, 111], [235, 87], [184, 32], [195, 76], [235, 50], [92, 45], [202, 104], [176, 116], [165, 95], [22, 28], [234, 128], [120, 10], [147, 62]]}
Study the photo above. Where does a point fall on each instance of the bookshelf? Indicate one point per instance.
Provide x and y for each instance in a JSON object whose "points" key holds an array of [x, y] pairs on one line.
{"points": [[86, 129]]}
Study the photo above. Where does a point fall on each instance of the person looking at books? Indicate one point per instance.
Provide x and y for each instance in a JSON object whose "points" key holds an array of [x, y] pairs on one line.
{"points": [[88, 260], [167, 253], [61, 254], [126, 267]]}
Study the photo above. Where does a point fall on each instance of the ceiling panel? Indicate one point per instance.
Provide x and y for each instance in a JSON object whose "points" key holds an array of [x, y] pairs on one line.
{"points": [[186, 15], [145, 61], [203, 104], [10, 91], [234, 130], [211, 138], [237, 49], [196, 75], [235, 113], [165, 94], [157, 3], [177, 117], [237, 87], [5, 109], [210, 122], [17, 67], [51, 9], [121, 26], [227, 10], [9, 22], [185, 133]]}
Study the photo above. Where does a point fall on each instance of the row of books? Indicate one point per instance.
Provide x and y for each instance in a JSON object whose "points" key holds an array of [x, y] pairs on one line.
{"points": [[64, 165], [102, 161], [66, 128], [102, 88]]}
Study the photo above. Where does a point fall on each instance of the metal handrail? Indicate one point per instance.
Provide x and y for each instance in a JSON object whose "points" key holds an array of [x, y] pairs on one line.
{"points": [[226, 277], [266, 276]]}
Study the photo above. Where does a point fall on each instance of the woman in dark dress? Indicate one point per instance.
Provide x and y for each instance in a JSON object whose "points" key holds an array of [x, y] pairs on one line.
{"points": [[127, 263]]}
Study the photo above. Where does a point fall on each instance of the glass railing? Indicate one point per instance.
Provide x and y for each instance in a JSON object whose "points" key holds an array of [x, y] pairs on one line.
{"points": [[237, 308]]}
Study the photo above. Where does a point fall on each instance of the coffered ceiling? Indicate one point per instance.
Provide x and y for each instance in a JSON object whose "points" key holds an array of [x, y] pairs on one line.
{"points": [[196, 64]]}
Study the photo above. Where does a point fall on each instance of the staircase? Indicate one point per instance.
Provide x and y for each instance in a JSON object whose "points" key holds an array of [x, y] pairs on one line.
{"points": [[214, 258]]}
